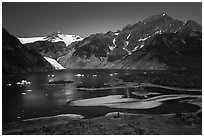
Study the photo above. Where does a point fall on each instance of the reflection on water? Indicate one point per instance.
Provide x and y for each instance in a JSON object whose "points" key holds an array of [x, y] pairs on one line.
{"points": [[30, 95]]}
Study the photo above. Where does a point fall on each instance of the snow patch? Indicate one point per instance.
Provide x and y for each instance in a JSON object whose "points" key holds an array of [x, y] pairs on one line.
{"points": [[112, 47], [183, 41], [158, 32], [31, 40], [143, 39], [114, 41], [136, 48], [127, 43], [54, 63], [142, 46], [129, 53], [67, 39], [128, 36]]}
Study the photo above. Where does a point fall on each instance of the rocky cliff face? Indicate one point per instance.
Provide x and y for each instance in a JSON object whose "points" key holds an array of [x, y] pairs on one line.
{"points": [[48, 49], [16, 58], [157, 43]]}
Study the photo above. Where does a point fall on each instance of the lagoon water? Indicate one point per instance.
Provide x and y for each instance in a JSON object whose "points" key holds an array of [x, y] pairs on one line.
{"points": [[39, 98]]}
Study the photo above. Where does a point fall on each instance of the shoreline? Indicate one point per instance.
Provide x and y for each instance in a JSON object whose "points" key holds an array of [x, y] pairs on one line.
{"points": [[112, 105], [110, 124], [137, 85]]}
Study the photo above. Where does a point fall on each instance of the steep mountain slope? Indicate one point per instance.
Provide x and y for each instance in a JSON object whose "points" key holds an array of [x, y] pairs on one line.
{"points": [[165, 51], [16, 58], [158, 42], [49, 49], [89, 53]]}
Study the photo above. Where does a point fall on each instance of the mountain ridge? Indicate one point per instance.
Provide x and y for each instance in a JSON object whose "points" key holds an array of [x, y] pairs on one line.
{"points": [[159, 42], [54, 37], [16, 58], [139, 37]]}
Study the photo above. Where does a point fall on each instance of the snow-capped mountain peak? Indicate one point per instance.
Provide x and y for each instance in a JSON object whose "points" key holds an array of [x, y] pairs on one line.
{"points": [[54, 37], [67, 39]]}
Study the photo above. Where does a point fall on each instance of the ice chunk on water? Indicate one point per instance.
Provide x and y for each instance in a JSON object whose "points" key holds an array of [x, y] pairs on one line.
{"points": [[23, 83], [9, 84], [79, 75]]}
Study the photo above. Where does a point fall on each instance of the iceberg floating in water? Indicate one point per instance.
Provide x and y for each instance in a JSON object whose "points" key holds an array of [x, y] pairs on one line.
{"points": [[23, 93], [28, 90], [111, 75], [79, 75], [23, 83], [9, 84]]}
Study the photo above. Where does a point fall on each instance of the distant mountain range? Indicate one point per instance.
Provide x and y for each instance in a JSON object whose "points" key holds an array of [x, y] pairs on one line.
{"points": [[158, 42], [53, 46], [54, 37]]}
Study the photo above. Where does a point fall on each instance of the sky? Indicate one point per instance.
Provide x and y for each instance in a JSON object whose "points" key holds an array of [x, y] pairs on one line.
{"points": [[83, 19]]}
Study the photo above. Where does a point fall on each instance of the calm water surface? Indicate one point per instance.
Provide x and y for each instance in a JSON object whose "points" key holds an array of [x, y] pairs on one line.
{"points": [[40, 98]]}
